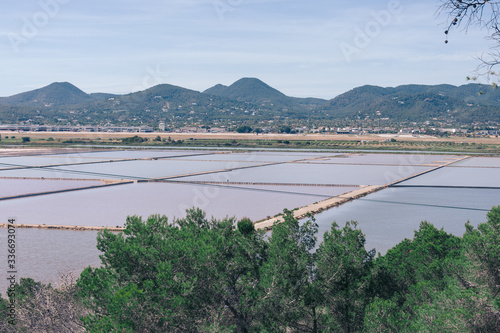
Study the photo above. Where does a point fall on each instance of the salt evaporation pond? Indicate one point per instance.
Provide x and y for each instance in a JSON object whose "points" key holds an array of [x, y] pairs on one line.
{"points": [[17, 187], [89, 157], [46, 255], [385, 217], [263, 157], [389, 216], [110, 206], [11, 162], [480, 162], [303, 173], [453, 176], [384, 159], [324, 191], [142, 169], [134, 153]]}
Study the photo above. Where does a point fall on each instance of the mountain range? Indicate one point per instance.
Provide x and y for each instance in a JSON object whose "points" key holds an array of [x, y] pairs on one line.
{"points": [[250, 100]]}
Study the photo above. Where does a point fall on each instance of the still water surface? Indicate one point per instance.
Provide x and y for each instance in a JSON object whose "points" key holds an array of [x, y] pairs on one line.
{"points": [[300, 173], [126, 170], [450, 176], [45, 255], [389, 216], [16, 187], [110, 206], [401, 159]]}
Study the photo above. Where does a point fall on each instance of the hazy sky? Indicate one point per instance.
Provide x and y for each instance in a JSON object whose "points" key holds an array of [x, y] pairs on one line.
{"points": [[315, 48]]}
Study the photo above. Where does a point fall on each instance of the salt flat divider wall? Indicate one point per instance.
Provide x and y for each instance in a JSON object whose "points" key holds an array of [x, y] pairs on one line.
{"points": [[321, 206]]}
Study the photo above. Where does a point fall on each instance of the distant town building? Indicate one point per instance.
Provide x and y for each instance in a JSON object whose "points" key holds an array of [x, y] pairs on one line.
{"points": [[161, 127]]}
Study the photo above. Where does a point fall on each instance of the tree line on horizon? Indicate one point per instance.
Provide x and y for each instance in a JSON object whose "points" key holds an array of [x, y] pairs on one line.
{"points": [[206, 275]]}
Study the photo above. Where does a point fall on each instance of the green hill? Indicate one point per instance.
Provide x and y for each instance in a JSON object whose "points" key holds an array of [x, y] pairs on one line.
{"points": [[250, 90], [255, 91], [55, 94], [251, 101], [465, 104]]}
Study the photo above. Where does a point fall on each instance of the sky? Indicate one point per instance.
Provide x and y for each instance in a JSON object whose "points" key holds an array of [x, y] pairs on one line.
{"points": [[314, 48]]}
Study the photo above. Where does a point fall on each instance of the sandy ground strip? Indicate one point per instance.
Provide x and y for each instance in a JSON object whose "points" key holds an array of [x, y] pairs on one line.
{"points": [[249, 136]]}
